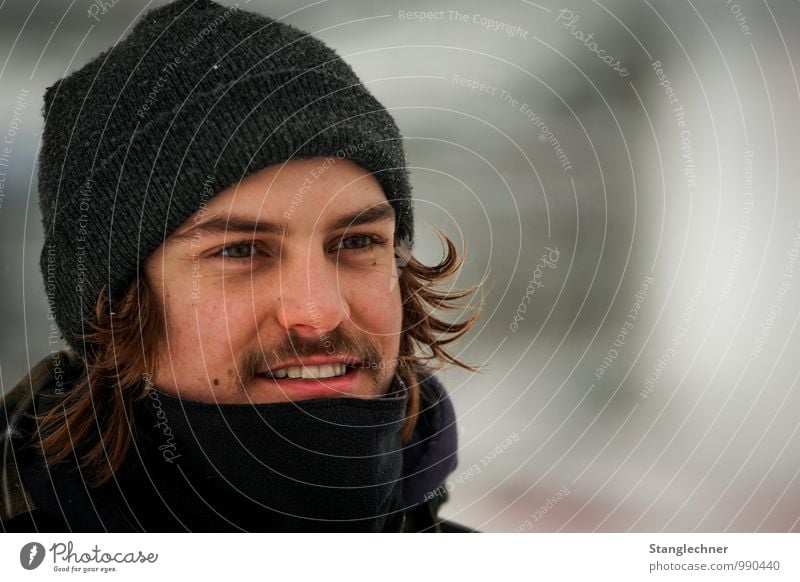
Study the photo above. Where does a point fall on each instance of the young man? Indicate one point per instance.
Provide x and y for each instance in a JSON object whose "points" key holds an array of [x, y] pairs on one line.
{"points": [[228, 227]]}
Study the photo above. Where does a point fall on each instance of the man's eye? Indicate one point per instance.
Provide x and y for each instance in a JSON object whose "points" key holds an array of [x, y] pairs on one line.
{"points": [[357, 243], [237, 251]]}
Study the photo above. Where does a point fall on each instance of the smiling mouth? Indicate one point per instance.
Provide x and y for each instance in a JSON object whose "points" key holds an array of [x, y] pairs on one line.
{"points": [[322, 372]]}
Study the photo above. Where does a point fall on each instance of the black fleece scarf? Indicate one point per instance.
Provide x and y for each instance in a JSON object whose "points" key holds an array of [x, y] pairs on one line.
{"points": [[150, 493], [331, 464]]}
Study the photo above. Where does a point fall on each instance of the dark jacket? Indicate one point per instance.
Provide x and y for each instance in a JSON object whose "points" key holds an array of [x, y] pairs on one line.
{"points": [[34, 498]]}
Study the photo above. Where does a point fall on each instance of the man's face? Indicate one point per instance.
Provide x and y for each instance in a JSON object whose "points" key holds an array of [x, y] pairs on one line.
{"points": [[289, 273]]}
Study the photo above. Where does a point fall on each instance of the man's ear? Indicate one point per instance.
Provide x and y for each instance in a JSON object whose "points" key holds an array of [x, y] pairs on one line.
{"points": [[402, 255]]}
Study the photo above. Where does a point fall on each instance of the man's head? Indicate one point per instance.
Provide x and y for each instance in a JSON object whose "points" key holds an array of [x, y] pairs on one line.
{"points": [[224, 207]]}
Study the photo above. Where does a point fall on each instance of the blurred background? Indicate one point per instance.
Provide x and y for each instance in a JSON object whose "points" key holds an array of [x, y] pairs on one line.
{"points": [[621, 175]]}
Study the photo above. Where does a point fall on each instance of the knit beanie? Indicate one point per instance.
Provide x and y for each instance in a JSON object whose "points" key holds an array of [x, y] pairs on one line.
{"points": [[195, 99]]}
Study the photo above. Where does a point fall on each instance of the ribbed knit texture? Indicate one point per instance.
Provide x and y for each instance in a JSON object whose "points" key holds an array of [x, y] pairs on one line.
{"points": [[195, 99]]}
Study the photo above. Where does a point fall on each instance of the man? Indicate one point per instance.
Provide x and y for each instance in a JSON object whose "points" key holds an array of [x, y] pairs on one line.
{"points": [[228, 227]]}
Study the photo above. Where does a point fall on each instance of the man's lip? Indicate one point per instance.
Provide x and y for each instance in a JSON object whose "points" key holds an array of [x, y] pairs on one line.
{"points": [[315, 361], [316, 387]]}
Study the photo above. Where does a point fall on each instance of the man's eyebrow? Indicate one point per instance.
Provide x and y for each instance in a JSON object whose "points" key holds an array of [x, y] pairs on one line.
{"points": [[231, 224], [382, 212]]}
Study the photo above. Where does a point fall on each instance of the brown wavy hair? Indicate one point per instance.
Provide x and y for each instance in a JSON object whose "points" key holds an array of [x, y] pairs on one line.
{"points": [[94, 420]]}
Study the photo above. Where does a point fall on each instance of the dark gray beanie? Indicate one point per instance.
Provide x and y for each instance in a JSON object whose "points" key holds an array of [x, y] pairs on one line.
{"points": [[195, 99]]}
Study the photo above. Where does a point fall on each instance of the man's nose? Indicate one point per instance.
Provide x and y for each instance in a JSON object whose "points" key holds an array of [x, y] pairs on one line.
{"points": [[311, 299]]}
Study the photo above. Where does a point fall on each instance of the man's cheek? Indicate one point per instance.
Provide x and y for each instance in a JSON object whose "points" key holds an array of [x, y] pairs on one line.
{"points": [[382, 311], [216, 324], [202, 347]]}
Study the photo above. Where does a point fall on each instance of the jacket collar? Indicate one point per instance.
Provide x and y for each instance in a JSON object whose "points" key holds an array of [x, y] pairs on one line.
{"points": [[431, 455]]}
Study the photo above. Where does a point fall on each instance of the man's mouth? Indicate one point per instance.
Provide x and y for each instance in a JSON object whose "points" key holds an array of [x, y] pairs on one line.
{"points": [[329, 379], [322, 372]]}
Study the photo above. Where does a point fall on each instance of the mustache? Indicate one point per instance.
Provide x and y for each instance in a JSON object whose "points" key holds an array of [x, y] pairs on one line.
{"points": [[336, 342]]}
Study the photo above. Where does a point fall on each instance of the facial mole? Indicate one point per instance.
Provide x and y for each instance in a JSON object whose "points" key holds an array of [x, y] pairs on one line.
{"points": [[216, 381]]}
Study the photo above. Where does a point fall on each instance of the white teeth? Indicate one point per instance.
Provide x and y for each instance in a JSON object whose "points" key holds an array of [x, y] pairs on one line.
{"points": [[311, 372]]}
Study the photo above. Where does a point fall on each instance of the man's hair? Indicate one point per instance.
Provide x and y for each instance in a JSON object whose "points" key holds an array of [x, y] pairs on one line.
{"points": [[94, 421]]}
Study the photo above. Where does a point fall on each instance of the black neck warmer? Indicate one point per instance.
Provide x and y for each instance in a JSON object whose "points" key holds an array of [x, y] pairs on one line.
{"points": [[332, 464]]}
